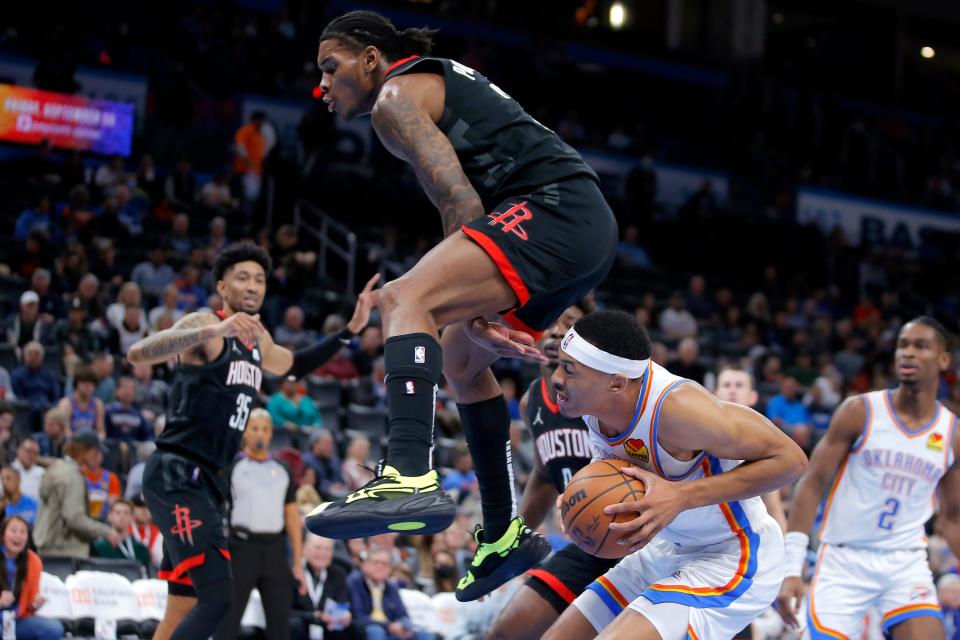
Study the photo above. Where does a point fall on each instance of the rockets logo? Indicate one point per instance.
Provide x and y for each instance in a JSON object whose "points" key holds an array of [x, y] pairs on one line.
{"points": [[185, 525], [935, 442], [635, 448]]}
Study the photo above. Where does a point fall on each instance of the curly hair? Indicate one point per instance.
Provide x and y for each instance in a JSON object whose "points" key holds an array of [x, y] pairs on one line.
{"points": [[616, 332], [241, 252]]}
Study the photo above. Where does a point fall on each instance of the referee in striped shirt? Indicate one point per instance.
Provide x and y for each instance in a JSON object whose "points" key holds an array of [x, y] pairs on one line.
{"points": [[263, 517]]}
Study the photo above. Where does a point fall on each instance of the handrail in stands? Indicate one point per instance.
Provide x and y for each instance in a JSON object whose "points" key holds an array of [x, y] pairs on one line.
{"points": [[322, 227]]}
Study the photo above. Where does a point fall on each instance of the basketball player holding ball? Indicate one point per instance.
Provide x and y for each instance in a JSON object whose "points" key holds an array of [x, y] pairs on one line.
{"points": [[527, 234], [706, 557]]}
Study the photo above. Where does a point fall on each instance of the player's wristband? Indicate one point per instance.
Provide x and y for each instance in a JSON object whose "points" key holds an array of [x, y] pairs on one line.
{"points": [[309, 359], [796, 544]]}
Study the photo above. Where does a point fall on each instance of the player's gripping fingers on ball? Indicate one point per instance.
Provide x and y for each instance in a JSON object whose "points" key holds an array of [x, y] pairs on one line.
{"points": [[788, 601], [242, 326], [502, 340], [661, 503]]}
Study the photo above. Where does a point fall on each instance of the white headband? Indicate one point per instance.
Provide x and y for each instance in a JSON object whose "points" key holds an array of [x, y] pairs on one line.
{"points": [[585, 353]]}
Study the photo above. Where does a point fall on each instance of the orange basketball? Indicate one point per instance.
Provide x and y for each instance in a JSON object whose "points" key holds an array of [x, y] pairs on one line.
{"points": [[594, 487]]}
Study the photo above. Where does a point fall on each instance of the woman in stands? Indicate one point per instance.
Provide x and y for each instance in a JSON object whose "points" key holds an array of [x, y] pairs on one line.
{"points": [[20, 584]]}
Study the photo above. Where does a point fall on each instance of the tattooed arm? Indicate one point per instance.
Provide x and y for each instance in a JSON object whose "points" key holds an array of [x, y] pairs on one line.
{"points": [[187, 338], [404, 118]]}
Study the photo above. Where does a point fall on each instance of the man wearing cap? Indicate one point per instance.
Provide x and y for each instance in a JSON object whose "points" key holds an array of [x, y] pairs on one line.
{"points": [[26, 325], [63, 526], [73, 331], [33, 383]]}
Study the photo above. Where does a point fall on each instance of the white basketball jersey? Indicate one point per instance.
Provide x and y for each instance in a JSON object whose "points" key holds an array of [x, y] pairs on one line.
{"points": [[886, 488], [638, 445]]}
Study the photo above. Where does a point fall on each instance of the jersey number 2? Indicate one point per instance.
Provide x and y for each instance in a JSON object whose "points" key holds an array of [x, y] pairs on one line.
{"points": [[886, 518], [239, 419]]}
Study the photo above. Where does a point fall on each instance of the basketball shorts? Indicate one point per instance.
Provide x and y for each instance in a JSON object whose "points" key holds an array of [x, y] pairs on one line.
{"points": [[188, 507], [553, 246], [566, 574], [708, 593], [849, 581]]}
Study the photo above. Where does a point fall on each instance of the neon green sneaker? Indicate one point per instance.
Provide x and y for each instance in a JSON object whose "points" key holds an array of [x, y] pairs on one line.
{"points": [[496, 563], [390, 503]]}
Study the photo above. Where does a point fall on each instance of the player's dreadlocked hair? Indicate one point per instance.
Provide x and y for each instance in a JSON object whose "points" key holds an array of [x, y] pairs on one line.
{"points": [[943, 334], [616, 332], [366, 28], [241, 252]]}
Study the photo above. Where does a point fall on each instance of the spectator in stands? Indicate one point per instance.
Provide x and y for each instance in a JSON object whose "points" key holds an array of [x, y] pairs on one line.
{"points": [[291, 333], [33, 383], [168, 306], [262, 509], [54, 435], [687, 363], [144, 531], [27, 324], [462, 479], [322, 458], [216, 195], [7, 441], [371, 347], [134, 327], [821, 401], [103, 485], [340, 367], [6, 386], [180, 240], [326, 583], [291, 409], [83, 410], [125, 422], [630, 252], [147, 179], [71, 266], [51, 304], [108, 224], [698, 302], [786, 410], [307, 495], [26, 465], [191, 295], [120, 518], [131, 211], [74, 333], [252, 143], [370, 390], [948, 592], [88, 290], [355, 470], [154, 273], [675, 321], [15, 502], [218, 235], [110, 174], [20, 576], [128, 296], [63, 526], [36, 218], [148, 393], [180, 187], [102, 368], [104, 264], [376, 603]]}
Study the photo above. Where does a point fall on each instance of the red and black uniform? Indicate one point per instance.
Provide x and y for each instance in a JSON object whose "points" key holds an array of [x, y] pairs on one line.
{"points": [[563, 447], [548, 228], [183, 481]]}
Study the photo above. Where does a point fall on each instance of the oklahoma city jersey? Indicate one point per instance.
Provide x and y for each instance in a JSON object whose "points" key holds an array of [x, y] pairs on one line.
{"points": [[887, 486], [638, 445]]}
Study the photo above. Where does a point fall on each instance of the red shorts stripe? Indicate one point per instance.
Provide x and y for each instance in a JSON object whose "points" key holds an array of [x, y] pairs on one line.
{"points": [[554, 583], [516, 323], [503, 264], [179, 573], [224, 553]]}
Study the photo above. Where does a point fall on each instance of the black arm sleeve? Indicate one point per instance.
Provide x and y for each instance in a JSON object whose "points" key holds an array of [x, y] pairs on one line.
{"points": [[311, 358]]}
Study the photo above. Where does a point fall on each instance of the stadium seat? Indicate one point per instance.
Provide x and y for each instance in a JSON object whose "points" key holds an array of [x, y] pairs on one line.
{"points": [[95, 595], [152, 601], [324, 392], [421, 609], [60, 566], [330, 413], [24, 418], [294, 461], [370, 421], [56, 600], [8, 357], [129, 569]]}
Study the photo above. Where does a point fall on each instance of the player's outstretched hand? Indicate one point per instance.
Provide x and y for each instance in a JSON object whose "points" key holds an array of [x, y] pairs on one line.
{"points": [[366, 301], [243, 326], [788, 602], [661, 503], [502, 340]]}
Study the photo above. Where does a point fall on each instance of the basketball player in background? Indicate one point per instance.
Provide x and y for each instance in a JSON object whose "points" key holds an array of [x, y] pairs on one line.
{"points": [[528, 233], [889, 452], [220, 363], [706, 557], [736, 385], [561, 448]]}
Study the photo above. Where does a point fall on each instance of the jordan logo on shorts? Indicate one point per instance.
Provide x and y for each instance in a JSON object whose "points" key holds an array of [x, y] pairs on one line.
{"points": [[511, 219], [185, 526]]}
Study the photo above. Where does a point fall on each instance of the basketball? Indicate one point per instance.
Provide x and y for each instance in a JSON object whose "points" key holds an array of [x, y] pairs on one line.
{"points": [[597, 485]]}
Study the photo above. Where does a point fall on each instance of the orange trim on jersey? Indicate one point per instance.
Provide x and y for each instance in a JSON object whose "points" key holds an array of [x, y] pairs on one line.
{"points": [[813, 613], [655, 445], [644, 396], [833, 490], [867, 425], [511, 319], [691, 633], [398, 63], [910, 607], [503, 264], [910, 434], [547, 400], [613, 591]]}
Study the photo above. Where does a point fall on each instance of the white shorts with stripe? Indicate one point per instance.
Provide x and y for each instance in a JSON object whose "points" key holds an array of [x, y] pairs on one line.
{"points": [[707, 593], [848, 581]]}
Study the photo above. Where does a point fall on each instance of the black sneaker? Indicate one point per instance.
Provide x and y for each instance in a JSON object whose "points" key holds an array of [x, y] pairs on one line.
{"points": [[495, 563], [390, 503]]}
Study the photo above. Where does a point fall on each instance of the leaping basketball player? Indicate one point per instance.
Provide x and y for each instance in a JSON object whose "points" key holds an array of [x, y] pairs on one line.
{"points": [[889, 452], [707, 558], [528, 233]]}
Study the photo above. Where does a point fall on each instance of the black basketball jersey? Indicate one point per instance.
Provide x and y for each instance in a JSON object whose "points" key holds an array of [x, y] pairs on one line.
{"points": [[503, 150], [563, 444], [210, 405]]}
